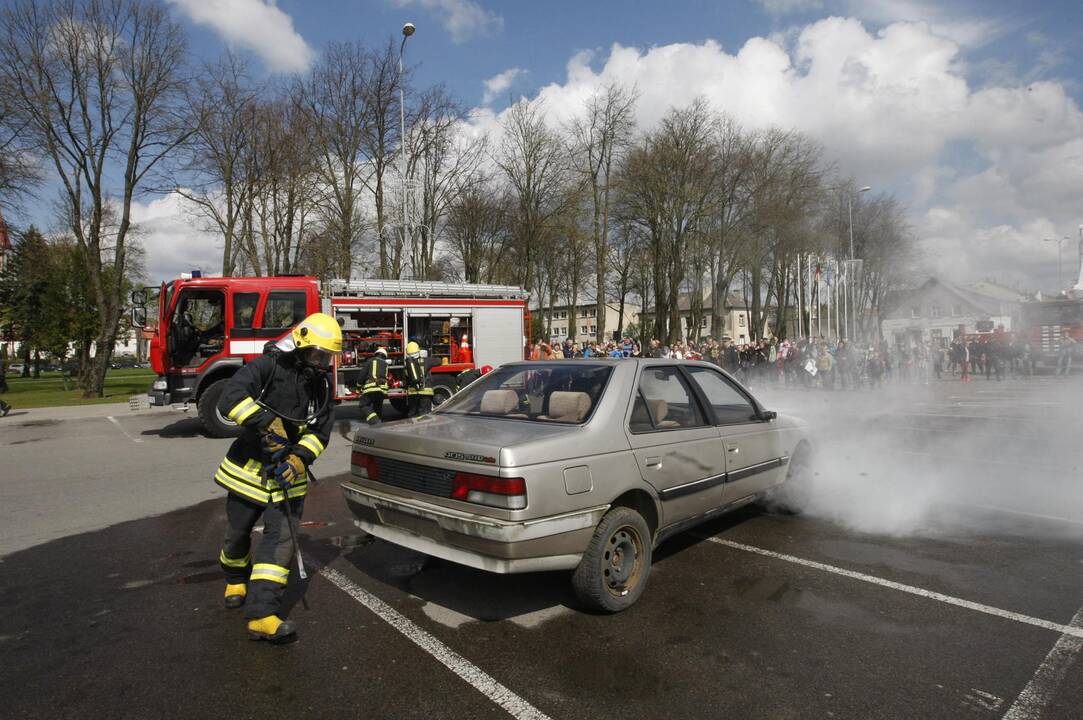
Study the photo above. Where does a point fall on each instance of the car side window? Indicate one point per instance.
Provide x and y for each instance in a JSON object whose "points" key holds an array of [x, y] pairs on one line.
{"points": [[729, 404], [666, 402]]}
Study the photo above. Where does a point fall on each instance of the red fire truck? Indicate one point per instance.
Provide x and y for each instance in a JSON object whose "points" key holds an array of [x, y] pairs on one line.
{"points": [[207, 328], [1044, 323]]}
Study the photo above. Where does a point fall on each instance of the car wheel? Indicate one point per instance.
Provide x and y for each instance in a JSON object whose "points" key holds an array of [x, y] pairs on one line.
{"points": [[214, 422], [795, 492], [614, 569]]}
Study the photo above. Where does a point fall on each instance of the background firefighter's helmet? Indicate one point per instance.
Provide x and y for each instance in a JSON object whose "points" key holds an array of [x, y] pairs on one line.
{"points": [[413, 349], [318, 330], [382, 351]]}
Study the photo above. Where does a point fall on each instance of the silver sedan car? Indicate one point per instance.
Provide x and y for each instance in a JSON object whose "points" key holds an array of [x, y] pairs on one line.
{"points": [[582, 465]]}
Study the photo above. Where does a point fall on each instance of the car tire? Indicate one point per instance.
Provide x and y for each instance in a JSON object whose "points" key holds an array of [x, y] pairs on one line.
{"points": [[614, 569], [793, 495], [213, 421], [400, 405]]}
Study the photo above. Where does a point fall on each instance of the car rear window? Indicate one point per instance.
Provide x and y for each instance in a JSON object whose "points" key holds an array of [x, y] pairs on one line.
{"points": [[547, 392]]}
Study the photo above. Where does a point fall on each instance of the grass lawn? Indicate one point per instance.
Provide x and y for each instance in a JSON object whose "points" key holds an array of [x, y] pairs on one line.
{"points": [[48, 390]]}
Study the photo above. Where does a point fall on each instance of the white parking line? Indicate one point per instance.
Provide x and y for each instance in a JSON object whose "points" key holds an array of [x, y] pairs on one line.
{"points": [[1074, 631], [1039, 691], [116, 422], [481, 681]]}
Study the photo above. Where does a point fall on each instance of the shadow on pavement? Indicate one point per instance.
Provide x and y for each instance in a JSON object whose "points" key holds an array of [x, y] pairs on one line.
{"points": [[187, 428]]}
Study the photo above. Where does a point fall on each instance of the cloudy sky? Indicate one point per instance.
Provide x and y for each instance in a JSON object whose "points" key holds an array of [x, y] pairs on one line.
{"points": [[969, 115]]}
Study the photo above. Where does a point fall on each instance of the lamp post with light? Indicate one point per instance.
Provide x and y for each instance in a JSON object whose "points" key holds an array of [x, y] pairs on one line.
{"points": [[407, 30]]}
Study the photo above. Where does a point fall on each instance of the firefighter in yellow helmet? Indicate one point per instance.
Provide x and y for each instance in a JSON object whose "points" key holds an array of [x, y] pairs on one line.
{"points": [[284, 401], [418, 386], [373, 384]]}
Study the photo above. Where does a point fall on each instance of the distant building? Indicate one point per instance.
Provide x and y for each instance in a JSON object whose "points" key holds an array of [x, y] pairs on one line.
{"points": [[939, 310], [580, 321], [735, 323]]}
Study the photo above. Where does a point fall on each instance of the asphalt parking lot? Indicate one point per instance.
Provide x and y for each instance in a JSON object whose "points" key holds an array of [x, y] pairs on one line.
{"points": [[939, 575]]}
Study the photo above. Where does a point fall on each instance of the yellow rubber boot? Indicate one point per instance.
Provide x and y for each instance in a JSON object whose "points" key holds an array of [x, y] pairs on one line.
{"points": [[235, 595], [270, 628]]}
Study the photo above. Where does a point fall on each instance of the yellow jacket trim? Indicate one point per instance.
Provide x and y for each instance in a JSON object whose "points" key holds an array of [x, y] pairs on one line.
{"points": [[270, 573], [231, 562], [248, 472], [243, 410], [312, 443]]}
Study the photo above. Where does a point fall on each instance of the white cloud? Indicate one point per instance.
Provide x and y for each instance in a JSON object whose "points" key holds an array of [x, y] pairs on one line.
{"points": [[463, 19], [498, 84], [257, 25], [894, 108], [172, 239]]}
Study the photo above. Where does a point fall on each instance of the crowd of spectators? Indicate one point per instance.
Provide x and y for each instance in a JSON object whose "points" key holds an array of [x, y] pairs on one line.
{"points": [[819, 362]]}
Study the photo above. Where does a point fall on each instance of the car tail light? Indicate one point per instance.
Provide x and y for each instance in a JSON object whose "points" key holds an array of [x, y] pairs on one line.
{"points": [[366, 465], [508, 493]]}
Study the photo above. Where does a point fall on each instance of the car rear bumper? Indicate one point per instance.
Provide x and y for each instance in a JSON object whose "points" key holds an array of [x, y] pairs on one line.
{"points": [[500, 546]]}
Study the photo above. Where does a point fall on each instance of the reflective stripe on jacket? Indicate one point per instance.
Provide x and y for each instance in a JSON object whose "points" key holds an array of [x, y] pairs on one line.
{"points": [[374, 376], [417, 382], [280, 379]]}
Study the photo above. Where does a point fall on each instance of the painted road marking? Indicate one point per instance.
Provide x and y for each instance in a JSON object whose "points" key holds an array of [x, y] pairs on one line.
{"points": [[1075, 631], [481, 681], [1032, 702], [116, 422]]}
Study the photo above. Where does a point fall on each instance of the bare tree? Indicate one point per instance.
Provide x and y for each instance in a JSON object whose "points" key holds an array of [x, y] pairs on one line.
{"points": [[210, 171], [597, 139], [667, 189], [20, 171], [442, 160], [381, 141], [476, 230], [535, 165], [100, 84], [336, 97]]}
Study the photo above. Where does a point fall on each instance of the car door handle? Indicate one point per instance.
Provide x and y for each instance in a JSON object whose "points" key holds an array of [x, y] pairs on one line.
{"points": [[654, 462], [733, 449]]}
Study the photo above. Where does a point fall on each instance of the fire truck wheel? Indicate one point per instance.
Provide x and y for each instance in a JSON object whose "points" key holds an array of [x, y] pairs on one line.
{"points": [[213, 422], [442, 390]]}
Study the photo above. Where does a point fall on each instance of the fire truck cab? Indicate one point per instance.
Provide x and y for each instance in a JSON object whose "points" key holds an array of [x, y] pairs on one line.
{"points": [[208, 328]]}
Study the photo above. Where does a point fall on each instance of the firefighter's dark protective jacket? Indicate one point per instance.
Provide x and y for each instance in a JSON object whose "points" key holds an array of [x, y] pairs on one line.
{"points": [[373, 377], [286, 387], [417, 381]]}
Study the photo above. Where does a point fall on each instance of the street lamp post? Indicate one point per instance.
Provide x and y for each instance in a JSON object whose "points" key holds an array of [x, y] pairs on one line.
{"points": [[852, 299], [407, 30]]}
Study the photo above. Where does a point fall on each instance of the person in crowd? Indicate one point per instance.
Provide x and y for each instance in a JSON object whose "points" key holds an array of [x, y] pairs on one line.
{"points": [[1064, 357]]}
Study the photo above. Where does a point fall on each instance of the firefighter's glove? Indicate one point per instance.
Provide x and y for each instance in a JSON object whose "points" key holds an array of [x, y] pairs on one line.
{"points": [[287, 471], [273, 437]]}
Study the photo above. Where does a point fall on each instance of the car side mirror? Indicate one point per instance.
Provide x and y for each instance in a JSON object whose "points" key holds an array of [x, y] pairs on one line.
{"points": [[768, 415], [139, 297], [139, 317]]}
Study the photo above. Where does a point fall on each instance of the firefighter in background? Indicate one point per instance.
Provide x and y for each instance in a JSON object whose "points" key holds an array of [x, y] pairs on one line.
{"points": [[418, 387], [373, 384], [283, 400]]}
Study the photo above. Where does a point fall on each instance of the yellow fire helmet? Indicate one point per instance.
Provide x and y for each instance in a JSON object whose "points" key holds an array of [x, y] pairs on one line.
{"points": [[413, 349], [318, 330]]}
